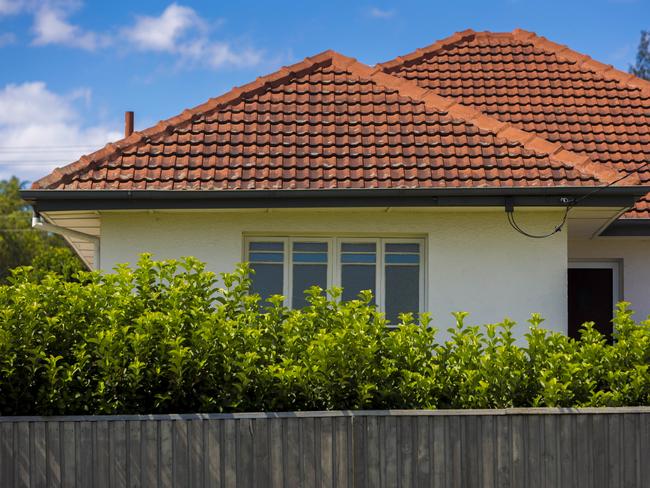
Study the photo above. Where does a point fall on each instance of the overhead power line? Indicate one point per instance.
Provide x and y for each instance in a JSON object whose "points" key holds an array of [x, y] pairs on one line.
{"points": [[32, 161], [49, 147], [510, 210]]}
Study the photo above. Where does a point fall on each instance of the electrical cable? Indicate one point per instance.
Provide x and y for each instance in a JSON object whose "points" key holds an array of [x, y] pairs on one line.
{"points": [[510, 210], [44, 147]]}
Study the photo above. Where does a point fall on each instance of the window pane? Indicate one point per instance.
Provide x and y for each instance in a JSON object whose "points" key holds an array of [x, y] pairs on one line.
{"points": [[402, 247], [266, 257], [402, 258], [357, 277], [358, 258], [358, 268], [267, 260], [309, 257], [402, 277], [309, 269], [268, 279], [305, 276], [310, 246], [402, 291], [358, 247], [266, 246]]}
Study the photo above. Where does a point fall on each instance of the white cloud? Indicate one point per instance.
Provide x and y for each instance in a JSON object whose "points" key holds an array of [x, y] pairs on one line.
{"points": [[40, 130], [379, 13], [10, 7], [217, 54], [7, 38], [179, 30], [164, 32], [51, 26]]}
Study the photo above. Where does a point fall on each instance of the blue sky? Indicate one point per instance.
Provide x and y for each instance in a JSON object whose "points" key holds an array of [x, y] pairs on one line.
{"points": [[71, 68]]}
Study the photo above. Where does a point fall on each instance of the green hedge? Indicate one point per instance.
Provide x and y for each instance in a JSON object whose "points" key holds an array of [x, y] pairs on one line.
{"points": [[170, 337]]}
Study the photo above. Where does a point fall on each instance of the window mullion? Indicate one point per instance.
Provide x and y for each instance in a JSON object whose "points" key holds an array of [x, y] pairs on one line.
{"points": [[331, 265], [380, 275], [288, 275], [336, 262]]}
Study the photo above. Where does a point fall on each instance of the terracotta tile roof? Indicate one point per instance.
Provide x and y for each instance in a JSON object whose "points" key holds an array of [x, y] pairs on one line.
{"points": [[329, 122], [544, 88]]}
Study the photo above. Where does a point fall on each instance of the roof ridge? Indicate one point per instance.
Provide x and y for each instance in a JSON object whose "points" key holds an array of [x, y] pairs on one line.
{"points": [[503, 129], [584, 60], [436, 46], [562, 50], [236, 93]]}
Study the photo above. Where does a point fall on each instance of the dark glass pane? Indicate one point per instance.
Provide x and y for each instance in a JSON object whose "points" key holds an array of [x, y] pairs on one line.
{"points": [[402, 291], [310, 257], [358, 247], [402, 258], [266, 246], [305, 276], [274, 257], [402, 247], [310, 246], [357, 277], [267, 279], [591, 293], [358, 258]]}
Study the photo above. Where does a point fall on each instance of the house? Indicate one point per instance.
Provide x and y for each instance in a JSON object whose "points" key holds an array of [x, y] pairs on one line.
{"points": [[425, 179]]}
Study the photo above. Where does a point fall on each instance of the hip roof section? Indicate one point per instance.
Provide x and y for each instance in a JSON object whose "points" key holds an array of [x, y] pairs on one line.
{"points": [[329, 122], [544, 88]]}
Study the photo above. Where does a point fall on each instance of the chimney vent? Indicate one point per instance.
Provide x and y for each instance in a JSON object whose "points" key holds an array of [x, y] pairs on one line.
{"points": [[128, 123]]}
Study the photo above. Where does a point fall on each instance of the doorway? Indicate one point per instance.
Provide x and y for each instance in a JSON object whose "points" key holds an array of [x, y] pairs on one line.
{"points": [[594, 290]]}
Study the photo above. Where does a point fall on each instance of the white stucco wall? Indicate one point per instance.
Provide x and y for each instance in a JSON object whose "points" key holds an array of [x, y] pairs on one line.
{"points": [[475, 261], [634, 257]]}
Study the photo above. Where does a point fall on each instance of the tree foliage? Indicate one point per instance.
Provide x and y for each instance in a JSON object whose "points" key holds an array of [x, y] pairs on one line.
{"points": [[641, 67], [21, 245], [171, 337]]}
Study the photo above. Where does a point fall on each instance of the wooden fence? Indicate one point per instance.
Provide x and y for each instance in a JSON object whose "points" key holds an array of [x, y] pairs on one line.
{"points": [[521, 448]]}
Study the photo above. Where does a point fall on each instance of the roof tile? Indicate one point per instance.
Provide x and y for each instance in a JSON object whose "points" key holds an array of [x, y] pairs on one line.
{"points": [[544, 88], [327, 122]]}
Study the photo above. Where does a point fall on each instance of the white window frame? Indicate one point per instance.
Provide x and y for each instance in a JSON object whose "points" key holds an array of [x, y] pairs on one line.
{"points": [[334, 260], [613, 264]]}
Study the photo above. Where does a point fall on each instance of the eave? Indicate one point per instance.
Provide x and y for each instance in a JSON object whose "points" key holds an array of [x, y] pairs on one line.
{"points": [[628, 228], [65, 200]]}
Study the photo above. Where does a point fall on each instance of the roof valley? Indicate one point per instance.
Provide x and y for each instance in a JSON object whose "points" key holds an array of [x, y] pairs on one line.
{"points": [[595, 110]]}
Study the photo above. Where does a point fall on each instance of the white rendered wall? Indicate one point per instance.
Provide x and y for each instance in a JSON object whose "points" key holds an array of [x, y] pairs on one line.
{"points": [[475, 261], [634, 256]]}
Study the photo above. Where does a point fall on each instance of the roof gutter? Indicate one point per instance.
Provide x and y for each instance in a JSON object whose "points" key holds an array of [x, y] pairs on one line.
{"points": [[62, 200]]}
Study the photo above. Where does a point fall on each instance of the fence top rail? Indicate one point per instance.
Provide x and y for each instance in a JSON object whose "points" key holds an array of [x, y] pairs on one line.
{"points": [[333, 413]]}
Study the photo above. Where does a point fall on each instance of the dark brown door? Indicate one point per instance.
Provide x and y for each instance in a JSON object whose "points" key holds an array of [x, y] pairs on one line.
{"points": [[591, 299]]}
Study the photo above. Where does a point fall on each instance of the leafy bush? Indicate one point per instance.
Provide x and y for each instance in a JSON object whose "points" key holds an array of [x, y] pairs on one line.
{"points": [[169, 337], [21, 245]]}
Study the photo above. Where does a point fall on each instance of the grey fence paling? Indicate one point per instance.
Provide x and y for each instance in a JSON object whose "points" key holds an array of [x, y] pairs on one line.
{"points": [[412, 448]]}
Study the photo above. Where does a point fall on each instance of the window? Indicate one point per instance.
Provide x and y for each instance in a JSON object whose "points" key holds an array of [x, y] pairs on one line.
{"points": [[391, 268]]}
